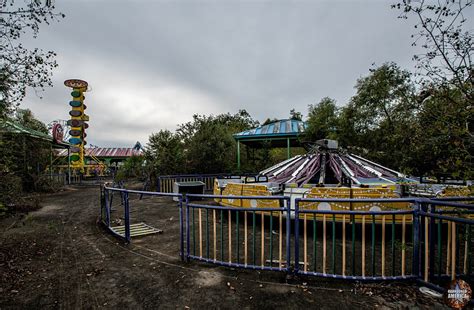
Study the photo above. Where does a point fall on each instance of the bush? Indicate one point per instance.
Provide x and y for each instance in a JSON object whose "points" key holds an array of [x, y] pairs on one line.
{"points": [[10, 190]]}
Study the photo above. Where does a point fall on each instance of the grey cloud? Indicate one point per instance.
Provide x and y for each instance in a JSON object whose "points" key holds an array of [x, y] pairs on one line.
{"points": [[170, 60]]}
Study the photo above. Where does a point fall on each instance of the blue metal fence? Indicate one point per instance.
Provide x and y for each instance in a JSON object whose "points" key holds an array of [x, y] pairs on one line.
{"points": [[344, 266], [431, 241], [106, 194], [225, 248], [447, 241]]}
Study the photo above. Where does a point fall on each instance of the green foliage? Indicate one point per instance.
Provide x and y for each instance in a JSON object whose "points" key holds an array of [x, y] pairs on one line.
{"points": [[23, 160], [26, 118], [443, 132], [445, 38], [211, 148], [381, 114], [296, 115], [164, 153], [10, 189], [424, 133], [133, 167], [209, 144], [442, 144], [203, 145], [22, 67], [322, 120]]}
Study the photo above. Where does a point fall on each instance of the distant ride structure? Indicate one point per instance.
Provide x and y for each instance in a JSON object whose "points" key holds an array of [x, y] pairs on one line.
{"points": [[78, 123]]}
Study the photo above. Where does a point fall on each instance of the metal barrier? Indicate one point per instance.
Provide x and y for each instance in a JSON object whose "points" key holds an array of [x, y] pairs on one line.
{"points": [[447, 241], [125, 232], [431, 241], [165, 183], [225, 248], [322, 224]]}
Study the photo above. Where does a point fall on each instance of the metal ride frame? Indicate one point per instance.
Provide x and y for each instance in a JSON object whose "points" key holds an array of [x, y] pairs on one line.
{"points": [[442, 237]]}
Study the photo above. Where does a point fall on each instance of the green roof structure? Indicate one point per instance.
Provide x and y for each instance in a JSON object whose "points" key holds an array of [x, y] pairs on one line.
{"points": [[281, 133], [15, 128]]}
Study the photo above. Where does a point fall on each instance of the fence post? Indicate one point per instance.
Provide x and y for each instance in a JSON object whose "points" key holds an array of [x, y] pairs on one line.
{"points": [[181, 248], [101, 197], [158, 184], [187, 229], [288, 232], [108, 205], [297, 233], [127, 217], [431, 209], [416, 240]]}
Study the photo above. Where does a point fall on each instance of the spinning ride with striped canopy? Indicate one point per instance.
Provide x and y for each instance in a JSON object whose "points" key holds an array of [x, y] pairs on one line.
{"points": [[326, 171]]}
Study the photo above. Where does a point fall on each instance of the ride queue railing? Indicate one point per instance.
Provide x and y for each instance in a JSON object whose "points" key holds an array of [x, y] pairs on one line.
{"points": [[447, 242], [335, 244], [432, 241], [214, 232]]}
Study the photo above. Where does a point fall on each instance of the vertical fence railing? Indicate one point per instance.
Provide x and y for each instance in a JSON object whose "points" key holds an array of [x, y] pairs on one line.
{"points": [[165, 183], [254, 238], [430, 240], [447, 230], [357, 245]]}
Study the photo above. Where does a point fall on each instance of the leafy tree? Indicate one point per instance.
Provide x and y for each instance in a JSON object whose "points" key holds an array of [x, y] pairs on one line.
{"points": [[23, 160], [133, 167], [322, 120], [21, 67], [442, 32], [210, 146], [378, 118], [440, 142], [446, 74], [26, 118], [164, 154], [296, 115]]}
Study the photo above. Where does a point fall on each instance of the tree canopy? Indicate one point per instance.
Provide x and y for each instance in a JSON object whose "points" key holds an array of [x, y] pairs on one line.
{"points": [[21, 67]]}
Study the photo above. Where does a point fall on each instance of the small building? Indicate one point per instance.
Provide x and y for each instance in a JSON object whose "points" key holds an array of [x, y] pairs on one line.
{"points": [[110, 157]]}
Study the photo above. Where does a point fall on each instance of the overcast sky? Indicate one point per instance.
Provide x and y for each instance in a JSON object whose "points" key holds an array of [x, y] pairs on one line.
{"points": [[153, 64]]}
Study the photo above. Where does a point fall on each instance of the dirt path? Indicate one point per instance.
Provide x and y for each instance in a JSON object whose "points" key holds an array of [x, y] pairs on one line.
{"points": [[59, 257]]}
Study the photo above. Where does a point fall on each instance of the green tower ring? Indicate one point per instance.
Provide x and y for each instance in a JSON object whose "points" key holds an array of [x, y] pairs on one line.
{"points": [[75, 103], [76, 94]]}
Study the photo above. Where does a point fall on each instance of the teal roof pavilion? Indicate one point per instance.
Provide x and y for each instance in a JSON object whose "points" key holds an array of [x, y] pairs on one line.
{"points": [[277, 134], [277, 130]]}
